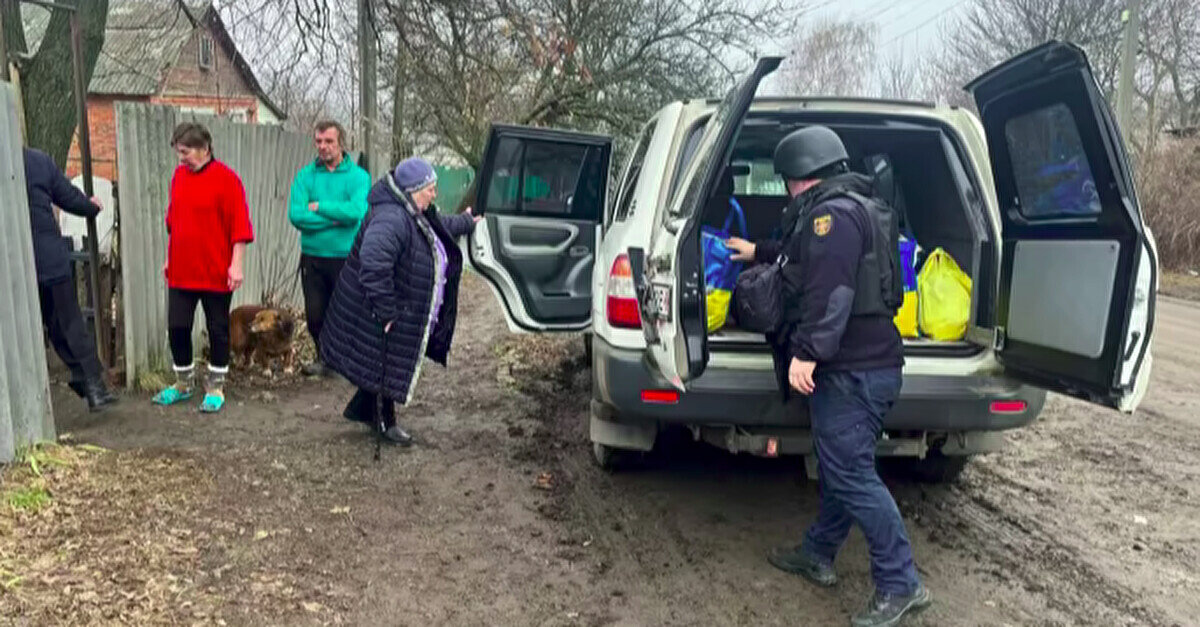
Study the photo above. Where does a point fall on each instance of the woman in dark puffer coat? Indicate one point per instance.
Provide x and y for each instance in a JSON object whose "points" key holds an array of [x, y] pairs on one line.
{"points": [[397, 296]]}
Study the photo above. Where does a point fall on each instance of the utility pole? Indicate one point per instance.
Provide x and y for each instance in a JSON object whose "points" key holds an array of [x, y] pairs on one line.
{"points": [[1131, 17], [3, 51], [368, 55]]}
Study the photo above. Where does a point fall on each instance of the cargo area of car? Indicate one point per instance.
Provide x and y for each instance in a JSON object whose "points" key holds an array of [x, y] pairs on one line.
{"points": [[916, 166]]}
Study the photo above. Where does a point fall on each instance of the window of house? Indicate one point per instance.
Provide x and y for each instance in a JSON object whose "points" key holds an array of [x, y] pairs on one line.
{"points": [[206, 52]]}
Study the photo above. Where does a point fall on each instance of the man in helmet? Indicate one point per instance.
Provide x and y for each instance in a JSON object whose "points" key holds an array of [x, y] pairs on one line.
{"points": [[839, 347]]}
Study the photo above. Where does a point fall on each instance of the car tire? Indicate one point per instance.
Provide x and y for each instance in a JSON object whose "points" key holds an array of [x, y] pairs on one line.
{"points": [[935, 468], [614, 459]]}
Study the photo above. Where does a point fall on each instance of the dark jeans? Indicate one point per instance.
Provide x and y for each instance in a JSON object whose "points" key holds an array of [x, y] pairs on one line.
{"points": [[363, 405], [181, 312], [847, 410], [318, 278], [69, 334]]}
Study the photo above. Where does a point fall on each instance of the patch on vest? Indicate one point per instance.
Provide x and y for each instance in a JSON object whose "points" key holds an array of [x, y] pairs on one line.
{"points": [[822, 225]]}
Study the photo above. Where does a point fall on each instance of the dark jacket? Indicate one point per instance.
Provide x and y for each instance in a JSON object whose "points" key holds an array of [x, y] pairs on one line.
{"points": [[45, 184], [389, 277], [819, 282]]}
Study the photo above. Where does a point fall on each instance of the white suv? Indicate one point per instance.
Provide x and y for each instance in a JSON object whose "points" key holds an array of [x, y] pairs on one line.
{"points": [[1036, 202]]}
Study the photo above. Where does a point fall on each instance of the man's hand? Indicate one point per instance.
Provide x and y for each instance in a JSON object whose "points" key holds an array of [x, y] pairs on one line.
{"points": [[312, 206], [800, 376], [473, 216], [742, 250], [96, 201], [235, 277]]}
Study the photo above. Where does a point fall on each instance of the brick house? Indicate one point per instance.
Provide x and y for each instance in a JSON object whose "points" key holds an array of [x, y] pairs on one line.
{"points": [[162, 52]]}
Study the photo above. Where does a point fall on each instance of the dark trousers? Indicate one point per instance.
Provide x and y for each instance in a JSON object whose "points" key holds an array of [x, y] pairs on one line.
{"points": [[69, 335], [847, 410], [318, 277], [362, 408], [181, 311]]}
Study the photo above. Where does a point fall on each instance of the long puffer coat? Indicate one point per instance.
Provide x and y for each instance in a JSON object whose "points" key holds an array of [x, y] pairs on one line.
{"points": [[389, 277]]}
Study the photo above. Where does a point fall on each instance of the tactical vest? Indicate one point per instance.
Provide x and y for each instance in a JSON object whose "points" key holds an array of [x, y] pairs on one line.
{"points": [[879, 287]]}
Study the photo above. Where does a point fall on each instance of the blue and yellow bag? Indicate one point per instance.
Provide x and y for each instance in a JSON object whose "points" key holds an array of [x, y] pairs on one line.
{"points": [[906, 317], [720, 270]]}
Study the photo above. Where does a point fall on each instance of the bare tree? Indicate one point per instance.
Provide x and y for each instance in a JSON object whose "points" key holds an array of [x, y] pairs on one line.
{"points": [[990, 31], [48, 76], [588, 64], [831, 58]]}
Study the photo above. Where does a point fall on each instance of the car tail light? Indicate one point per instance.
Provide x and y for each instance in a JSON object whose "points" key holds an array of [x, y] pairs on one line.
{"points": [[1008, 407], [660, 397], [622, 309]]}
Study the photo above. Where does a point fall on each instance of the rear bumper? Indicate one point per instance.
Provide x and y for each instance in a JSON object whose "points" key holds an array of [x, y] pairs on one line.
{"points": [[750, 398]]}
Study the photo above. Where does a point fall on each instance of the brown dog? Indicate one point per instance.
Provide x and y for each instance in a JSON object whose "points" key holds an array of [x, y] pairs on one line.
{"points": [[262, 334]]}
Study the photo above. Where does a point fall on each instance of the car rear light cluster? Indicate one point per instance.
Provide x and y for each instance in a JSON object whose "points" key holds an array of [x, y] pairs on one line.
{"points": [[622, 305]]}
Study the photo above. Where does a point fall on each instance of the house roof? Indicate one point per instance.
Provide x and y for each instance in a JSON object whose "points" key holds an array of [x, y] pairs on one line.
{"points": [[142, 40]]}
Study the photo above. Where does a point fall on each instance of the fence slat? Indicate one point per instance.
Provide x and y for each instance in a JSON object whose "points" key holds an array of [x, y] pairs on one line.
{"points": [[25, 413]]}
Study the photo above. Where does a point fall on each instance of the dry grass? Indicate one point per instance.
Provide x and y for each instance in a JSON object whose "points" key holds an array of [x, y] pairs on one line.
{"points": [[90, 536], [1169, 189], [1180, 286]]}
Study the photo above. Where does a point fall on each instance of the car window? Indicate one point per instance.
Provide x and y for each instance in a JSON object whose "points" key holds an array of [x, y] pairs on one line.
{"points": [[686, 152], [548, 179], [759, 179], [1053, 176], [625, 199]]}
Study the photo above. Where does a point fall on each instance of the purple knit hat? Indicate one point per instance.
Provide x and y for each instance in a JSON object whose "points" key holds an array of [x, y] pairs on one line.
{"points": [[414, 173]]}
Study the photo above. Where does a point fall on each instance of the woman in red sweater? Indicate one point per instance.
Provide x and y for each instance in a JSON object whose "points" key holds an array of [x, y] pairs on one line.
{"points": [[208, 227]]}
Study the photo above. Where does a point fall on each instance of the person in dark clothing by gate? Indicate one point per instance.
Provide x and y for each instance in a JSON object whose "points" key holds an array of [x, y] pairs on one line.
{"points": [[327, 203], [840, 347], [69, 335], [397, 299]]}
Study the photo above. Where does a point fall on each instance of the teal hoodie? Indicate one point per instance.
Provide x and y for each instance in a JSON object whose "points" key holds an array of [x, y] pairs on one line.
{"points": [[341, 197]]}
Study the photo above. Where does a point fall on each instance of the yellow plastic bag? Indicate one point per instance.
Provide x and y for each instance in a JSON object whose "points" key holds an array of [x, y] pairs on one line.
{"points": [[943, 298], [906, 318], [717, 306]]}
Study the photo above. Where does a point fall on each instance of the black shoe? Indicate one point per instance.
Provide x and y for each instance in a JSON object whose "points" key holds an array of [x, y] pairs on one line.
{"points": [[97, 395], [315, 369], [795, 560], [887, 610], [78, 388], [396, 435]]}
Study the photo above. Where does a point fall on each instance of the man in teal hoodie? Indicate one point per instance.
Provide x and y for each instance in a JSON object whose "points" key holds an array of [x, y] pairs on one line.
{"points": [[328, 200]]}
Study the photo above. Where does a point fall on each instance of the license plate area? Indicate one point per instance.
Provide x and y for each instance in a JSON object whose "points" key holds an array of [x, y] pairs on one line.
{"points": [[660, 302]]}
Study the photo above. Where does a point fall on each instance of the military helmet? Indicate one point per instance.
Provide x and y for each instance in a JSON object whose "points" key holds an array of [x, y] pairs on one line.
{"points": [[806, 151]]}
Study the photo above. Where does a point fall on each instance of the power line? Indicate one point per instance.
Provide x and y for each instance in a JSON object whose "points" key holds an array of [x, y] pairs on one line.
{"points": [[925, 23]]}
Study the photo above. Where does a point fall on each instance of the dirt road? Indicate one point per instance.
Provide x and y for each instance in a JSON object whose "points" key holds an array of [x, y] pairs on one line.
{"points": [[499, 517]]}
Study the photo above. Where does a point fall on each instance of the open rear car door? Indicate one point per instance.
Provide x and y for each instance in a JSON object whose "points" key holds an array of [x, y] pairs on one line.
{"points": [[1079, 269], [541, 193], [668, 277]]}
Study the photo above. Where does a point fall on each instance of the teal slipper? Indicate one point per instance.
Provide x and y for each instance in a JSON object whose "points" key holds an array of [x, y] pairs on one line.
{"points": [[212, 403], [170, 396]]}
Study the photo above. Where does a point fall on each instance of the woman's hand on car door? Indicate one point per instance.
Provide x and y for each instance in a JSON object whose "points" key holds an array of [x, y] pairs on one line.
{"points": [[742, 250]]}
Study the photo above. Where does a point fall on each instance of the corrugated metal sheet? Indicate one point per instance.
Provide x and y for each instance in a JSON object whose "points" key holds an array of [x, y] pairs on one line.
{"points": [[25, 414], [265, 157]]}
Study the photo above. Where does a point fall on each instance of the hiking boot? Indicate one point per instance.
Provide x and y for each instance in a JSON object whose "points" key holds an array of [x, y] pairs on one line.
{"points": [[795, 560], [97, 395], [78, 388], [315, 369], [887, 610]]}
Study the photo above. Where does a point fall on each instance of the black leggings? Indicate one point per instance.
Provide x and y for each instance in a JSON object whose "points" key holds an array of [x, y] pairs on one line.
{"points": [[181, 311], [363, 405]]}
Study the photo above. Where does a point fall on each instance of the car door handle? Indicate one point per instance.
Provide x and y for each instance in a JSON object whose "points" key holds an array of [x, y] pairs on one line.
{"points": [[578, 251]]}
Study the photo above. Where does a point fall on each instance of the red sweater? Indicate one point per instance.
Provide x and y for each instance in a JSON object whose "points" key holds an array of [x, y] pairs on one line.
{"points": [[206, 216]]}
